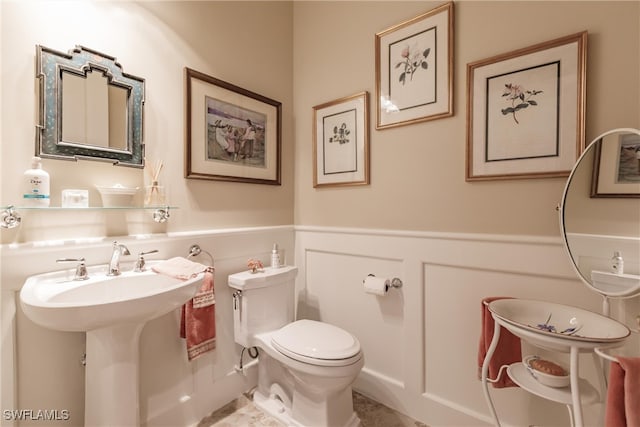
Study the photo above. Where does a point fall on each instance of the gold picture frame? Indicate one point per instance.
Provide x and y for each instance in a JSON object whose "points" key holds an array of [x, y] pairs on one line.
{"points": [[232, 134], [414, 69], [341, 142], [616, 166], [515, 103]]}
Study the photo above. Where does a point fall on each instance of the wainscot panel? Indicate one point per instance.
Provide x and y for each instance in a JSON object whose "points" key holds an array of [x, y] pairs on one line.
{"points": [[36, 361], [421, 341]]}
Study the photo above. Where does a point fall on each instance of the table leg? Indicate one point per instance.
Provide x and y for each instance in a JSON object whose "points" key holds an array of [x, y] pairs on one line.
{"points": [[575, 388], [571, 423], [485, 372]]}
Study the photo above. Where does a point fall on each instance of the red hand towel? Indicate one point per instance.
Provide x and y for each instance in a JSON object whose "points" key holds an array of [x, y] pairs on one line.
{"points": [[198, 320], [623, 394], [507, 352]]}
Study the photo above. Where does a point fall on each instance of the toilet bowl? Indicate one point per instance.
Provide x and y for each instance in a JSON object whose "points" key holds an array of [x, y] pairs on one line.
{"points": [[305, 367]]}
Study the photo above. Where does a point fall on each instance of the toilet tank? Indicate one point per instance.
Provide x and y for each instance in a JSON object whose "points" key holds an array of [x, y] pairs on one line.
{"points": [[262, 302]]}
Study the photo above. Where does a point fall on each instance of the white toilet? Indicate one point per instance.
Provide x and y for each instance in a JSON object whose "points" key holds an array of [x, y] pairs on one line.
{"points": [[305, 367]]}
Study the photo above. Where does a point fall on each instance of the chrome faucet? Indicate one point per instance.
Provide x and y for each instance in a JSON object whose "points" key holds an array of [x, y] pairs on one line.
{"points": [[114, 265]]}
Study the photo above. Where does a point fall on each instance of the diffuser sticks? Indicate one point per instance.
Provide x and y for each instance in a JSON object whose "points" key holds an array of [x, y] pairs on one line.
{"points": [[155, 193]]}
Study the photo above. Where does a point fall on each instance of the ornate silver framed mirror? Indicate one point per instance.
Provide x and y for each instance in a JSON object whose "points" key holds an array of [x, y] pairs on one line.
{"points": [[88, 108]]}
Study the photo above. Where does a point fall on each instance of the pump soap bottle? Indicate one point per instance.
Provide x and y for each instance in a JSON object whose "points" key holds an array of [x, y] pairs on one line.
{"points": [[36, 185], [275, 257], [617, 263]]}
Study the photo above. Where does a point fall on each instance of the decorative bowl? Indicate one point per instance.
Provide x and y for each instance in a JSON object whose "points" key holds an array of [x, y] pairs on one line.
{"points": [[116, 195], [556, 381], [559, 321]]}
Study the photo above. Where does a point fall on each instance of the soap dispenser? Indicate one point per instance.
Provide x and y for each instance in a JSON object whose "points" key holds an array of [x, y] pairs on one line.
{"points": [[36, 185], [275, 257], [617, 263]]}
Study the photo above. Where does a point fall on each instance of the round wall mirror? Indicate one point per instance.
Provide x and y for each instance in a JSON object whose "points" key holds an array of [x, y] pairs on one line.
{"points": [[600, 213]]}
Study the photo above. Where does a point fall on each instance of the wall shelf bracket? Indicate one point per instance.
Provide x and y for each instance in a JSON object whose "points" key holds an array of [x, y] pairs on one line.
{"points": [[9, 218]]}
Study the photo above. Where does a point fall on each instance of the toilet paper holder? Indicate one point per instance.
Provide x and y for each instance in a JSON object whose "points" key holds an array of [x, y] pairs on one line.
{"points": [[395, 282]]}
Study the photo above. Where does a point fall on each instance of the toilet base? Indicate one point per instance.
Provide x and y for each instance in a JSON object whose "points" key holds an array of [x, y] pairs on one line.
{"points": [[281, 411]]}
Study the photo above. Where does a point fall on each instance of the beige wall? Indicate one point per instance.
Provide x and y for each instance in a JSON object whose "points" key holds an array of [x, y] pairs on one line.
{"points": [[248, 44], [304, 54], [418, 171]]}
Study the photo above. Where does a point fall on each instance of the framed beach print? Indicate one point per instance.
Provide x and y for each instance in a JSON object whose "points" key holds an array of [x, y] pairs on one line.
{"points": [[525, 111], [414, 69], [616, 168], [232, 134], [341, 142]]}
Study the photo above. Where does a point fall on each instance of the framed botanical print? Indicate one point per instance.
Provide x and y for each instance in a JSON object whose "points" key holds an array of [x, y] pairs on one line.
{"points": [[341, 142], [525, 111], [414, 69]]}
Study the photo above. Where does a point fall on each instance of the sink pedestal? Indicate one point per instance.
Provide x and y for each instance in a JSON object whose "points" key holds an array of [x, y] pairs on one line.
{"points": [[112, 310], [111, 379]]}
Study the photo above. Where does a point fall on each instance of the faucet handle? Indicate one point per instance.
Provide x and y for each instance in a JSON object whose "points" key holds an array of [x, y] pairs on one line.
{"points": [[81, 269], [140, 262]]}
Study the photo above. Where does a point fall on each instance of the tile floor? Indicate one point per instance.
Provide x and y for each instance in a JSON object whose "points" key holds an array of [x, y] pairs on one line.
{"points": [[243, 413]]}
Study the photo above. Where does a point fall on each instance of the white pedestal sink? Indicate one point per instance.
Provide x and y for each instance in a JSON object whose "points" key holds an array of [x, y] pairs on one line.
{"points": [[112, 310]]}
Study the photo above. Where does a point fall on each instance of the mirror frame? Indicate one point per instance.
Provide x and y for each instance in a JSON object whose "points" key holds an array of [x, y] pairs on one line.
{"points": [[50, 64], [561, 206]]}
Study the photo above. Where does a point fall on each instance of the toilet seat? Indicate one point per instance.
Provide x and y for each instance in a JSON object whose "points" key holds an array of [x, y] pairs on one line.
{"points": [[317, 343]]}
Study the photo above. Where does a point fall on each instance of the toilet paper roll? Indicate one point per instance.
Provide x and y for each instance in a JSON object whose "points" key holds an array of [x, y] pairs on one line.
{"points": [[376, 285]]}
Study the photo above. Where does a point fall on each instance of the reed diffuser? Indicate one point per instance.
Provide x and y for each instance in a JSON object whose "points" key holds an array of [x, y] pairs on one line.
{"points": [[155, 193]]}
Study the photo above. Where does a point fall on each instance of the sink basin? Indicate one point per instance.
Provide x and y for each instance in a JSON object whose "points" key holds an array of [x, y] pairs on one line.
{"points": [[112, 310], [559, 321], [56, 301]]}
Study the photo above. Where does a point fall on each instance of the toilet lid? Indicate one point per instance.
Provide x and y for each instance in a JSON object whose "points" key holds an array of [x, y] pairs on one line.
{"points": [[315, 340]]}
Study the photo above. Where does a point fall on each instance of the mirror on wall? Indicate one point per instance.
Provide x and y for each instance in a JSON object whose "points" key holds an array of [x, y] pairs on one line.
{"points": [[88, 108], [94, 112], [600, 212]]}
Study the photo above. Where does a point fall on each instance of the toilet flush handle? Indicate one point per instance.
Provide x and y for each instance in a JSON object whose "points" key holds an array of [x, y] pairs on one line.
{"points": [[237, 303]]}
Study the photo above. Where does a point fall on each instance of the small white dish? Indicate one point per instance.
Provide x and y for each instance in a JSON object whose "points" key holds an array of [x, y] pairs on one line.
{"points": [[117, 195], [556, 381], [72, 198]]}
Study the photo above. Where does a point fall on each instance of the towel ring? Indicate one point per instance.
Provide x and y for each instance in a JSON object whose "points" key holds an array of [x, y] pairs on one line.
{"points": [[196, 250]]}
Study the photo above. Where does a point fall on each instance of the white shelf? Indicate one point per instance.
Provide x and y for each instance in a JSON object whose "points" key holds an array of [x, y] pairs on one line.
{"points": [[519, 374]]}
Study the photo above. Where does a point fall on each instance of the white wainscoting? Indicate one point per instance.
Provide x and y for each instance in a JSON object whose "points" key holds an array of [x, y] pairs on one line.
{"points": [[41, 368], [421, 341]]}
